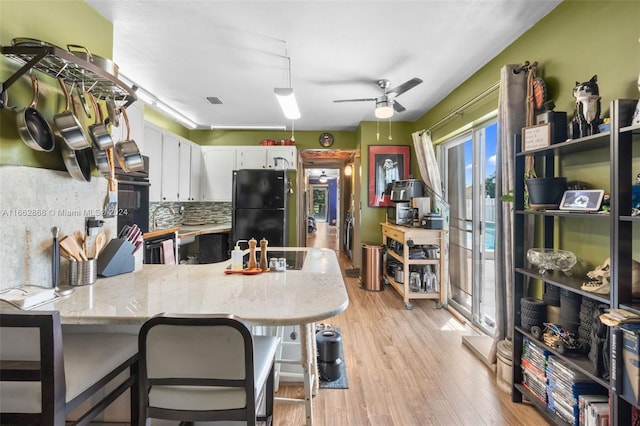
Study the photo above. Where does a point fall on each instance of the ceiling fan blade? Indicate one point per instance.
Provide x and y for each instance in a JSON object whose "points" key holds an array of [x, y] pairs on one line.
{"points": [[399, 90], [397, 107], [355, 100]]}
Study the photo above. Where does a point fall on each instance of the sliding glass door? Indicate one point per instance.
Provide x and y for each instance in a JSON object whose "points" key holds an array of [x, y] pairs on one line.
{"points": [[468, 166]]}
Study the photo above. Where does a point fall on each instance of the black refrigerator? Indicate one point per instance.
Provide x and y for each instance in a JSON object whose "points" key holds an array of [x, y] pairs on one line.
{"points": [[259, 206]]}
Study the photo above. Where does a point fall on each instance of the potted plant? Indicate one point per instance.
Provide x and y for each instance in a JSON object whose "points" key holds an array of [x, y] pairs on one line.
{"points": [[545, 193]]}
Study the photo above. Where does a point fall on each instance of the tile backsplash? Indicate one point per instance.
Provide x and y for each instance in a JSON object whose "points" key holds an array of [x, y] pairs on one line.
{"points": [[193, 213], [32, 201]]}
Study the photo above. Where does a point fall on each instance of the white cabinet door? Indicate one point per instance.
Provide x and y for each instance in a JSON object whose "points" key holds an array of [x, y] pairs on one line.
{"points": [[170, 187], [252, 157], [279, 157], [196, 173], [184, 170], [219, 163], [267, 157], [153, 149]]}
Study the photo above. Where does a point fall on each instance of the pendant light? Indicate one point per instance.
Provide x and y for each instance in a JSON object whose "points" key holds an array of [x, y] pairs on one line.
{"points": [[285, 96], [323, 177]]}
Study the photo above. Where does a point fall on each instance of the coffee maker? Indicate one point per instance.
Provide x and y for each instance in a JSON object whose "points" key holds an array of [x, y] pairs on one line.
{"points": [[402, 192]]}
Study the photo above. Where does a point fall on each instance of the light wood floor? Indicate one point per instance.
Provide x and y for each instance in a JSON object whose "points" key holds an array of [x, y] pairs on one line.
{"points": [[404, 367]]}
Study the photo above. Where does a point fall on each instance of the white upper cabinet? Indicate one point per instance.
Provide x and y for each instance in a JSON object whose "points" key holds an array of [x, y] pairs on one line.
{"points": [[267, 157], [219, 162], [170, 188], [174, 166], [252, 157], [184, 170], [153, 149], [282, 157], [195, 188]]}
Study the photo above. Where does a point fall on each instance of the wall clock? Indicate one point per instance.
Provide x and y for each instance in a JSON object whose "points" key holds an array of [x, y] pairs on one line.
{"points": [[326, 140]]}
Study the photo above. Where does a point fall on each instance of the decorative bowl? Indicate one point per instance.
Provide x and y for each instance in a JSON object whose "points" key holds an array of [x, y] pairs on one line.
{"points": [[546, 259]]}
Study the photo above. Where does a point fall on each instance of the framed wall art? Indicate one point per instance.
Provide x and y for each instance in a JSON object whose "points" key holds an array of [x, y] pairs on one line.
{"points": [[386, 164]]}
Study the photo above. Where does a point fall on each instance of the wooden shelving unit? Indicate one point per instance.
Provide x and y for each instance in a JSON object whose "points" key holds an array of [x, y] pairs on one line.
{"points": [[622, 143]]}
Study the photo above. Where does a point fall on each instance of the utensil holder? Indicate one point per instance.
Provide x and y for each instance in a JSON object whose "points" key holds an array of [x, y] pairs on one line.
{"points": [[116, 258], [83, 272], [78, 273]]}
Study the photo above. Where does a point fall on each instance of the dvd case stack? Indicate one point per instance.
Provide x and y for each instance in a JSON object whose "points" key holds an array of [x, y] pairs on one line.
{"points": [[564, 387], [534, 360]]}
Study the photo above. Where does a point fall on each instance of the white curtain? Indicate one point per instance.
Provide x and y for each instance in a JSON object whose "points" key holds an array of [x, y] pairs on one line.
{"points": [[430, 172], [427, 163], [511, 120]]}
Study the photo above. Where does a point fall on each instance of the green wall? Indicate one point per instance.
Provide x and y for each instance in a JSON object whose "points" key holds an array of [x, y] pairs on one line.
{"points": [[59, 23], [303, 139], [572, 43], [371, 217]]}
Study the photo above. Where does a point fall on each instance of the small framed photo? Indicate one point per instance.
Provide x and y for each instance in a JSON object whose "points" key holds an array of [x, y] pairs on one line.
{"points": [[536, 137], [583, 200]]}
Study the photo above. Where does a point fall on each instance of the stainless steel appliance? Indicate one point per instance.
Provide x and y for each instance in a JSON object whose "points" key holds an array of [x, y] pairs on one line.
{"points": [[401, 214], [260, 206], [133, 197], [405, 190]]}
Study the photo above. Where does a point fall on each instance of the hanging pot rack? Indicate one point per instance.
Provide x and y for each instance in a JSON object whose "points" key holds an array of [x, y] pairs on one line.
{"points": [[56, 62]]}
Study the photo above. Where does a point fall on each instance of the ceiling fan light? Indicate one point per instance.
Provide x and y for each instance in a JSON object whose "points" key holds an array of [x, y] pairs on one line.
{"points": [[323, 177], [288, 104], [384, 109]]}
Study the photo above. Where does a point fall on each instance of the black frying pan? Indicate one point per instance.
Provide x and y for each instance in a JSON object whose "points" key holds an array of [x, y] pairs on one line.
{"points": [[32, 127]]}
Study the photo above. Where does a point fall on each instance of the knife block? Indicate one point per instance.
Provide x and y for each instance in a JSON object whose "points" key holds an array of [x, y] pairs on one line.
{"points": [[116, 258]]}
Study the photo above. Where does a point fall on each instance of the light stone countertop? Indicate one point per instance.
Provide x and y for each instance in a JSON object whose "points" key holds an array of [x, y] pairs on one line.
{"points": [[314, 293], [210, 228]]}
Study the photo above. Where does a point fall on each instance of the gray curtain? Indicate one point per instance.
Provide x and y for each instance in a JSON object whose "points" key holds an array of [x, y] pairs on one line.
{"points": [[511, 120]]}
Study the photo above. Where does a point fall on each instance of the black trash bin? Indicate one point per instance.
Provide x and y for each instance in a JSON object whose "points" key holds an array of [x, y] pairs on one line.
{"points": [[371, 271]]}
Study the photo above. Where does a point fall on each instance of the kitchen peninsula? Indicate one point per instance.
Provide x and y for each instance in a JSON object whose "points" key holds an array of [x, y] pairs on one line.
{"points": [[295, 297], [313, 293]]}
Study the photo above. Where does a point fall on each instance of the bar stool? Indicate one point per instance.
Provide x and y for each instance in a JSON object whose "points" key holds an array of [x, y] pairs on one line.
{"points": [[205, 368], [45, 373]]}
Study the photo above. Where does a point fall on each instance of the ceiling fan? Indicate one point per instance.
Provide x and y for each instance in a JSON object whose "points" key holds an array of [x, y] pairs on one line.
{"points": [[386, 104]]}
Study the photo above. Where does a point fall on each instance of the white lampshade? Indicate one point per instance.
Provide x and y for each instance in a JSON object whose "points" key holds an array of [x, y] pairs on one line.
{"points": [[384, 109], [288, 103]]}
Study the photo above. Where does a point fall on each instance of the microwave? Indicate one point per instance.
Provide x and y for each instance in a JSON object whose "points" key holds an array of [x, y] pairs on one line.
{"points": [[401, 214]]}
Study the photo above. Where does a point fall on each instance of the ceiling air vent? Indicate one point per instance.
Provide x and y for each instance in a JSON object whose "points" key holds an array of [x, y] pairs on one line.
{"points": [[214, 100]]}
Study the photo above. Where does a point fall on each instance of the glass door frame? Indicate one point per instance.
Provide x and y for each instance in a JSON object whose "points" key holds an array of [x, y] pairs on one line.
{"points": [[479, 255]]}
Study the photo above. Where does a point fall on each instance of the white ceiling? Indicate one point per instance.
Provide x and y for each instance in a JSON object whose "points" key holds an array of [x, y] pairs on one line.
{"points": [[185, 50]]}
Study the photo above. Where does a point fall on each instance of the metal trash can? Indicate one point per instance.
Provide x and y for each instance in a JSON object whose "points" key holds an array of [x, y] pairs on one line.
{"points": [[371, 271]]}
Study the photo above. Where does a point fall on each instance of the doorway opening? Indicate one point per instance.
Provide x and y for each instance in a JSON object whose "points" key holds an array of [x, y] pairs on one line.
{"points": [[324, 213], [326, 197]]}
